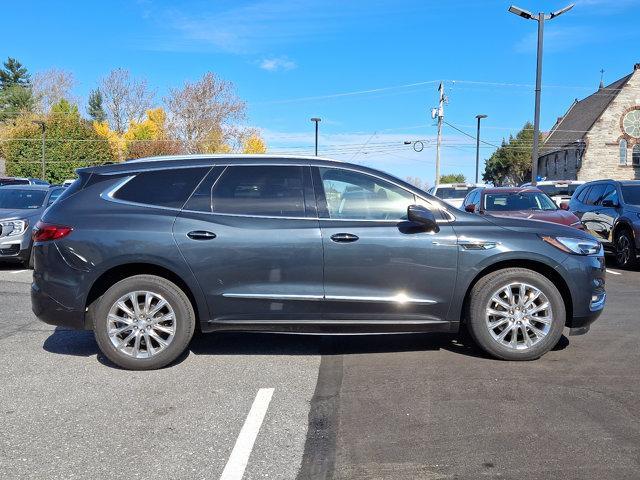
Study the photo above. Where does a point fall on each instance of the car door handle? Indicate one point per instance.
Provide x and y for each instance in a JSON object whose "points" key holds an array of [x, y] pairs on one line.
{"points": [[344, 237], [201, 235]]}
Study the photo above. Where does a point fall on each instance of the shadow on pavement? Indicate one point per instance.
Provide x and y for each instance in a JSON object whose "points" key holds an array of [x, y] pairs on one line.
{"points": [[82, 343]]}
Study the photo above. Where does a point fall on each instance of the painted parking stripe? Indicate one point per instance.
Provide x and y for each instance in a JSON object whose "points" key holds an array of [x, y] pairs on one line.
{"points": [[18, 271], [613, 273], [234, 469]]}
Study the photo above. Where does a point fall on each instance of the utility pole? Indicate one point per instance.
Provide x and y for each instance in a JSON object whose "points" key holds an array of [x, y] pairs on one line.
{"points": [[540, 18], [440, 114], [479, 117], [316, 121]]}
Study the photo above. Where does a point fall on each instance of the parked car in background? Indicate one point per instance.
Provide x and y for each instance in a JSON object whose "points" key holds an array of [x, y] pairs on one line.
{"points": [[146, 251], [559, 190], [610, 211], [21, 181], [21, 206], [453, 193], [518, 202]]}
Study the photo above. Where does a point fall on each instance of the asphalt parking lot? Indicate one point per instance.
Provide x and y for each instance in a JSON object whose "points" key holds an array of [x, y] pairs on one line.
{"points": [[364, 407]]}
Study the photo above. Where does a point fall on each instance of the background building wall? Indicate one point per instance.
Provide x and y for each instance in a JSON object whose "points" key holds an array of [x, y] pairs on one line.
{"points": [[602, 155]]}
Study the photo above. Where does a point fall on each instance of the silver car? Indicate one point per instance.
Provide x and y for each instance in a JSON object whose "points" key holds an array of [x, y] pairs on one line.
{"points": [[21, 206]]}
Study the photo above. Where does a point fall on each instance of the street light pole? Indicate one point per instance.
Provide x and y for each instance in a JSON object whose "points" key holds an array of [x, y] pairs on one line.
{"points": [[479, 117], [316, 121], [43, 126], [540, 18]]}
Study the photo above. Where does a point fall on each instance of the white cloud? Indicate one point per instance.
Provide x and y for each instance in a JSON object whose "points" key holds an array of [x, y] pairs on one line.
{"points": [[277, 63]]}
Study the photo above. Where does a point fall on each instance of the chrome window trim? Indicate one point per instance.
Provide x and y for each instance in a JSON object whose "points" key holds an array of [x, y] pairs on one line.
{"points": [[109, 194]]}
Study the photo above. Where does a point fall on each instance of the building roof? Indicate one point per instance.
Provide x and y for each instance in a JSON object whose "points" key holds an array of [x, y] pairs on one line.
{"points": [[581, 116]]}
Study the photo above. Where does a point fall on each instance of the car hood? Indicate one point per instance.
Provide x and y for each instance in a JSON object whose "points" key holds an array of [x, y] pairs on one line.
{"points": [[8, 213], [562, 217], [537, 227]]}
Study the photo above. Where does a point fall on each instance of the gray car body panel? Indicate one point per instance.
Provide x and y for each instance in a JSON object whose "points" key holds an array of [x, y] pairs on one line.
{"points": [[278, 274]]}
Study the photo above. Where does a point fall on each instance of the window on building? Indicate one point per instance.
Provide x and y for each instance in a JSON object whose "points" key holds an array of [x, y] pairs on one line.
{"points": [[565, 161], [635, 155], [623, 152]]}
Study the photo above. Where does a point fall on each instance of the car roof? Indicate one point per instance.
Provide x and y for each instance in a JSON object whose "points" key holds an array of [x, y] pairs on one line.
{"points": [[44, 188], [183, 161], [461, 184], [510, 190], [555, 182]]}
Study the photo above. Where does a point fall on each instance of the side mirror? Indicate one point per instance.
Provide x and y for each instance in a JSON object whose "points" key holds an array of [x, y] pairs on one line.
{"points": [[471, 208], [609, 204], [564, 205], [423, 216]]}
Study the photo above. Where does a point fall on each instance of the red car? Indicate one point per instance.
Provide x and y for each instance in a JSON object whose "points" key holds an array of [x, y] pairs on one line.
{"points": [[518, 202]]}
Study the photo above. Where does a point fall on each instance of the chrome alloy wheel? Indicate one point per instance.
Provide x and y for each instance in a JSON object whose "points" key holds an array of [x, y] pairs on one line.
{"points": [[141, 324], [623, 250], [518, 316]]}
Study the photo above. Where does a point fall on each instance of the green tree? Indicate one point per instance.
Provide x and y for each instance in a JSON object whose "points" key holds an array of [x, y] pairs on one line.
{"points": [[14, 101], [14, 73], [96, 108], [453, 178], [511, 163], [71, 143]]}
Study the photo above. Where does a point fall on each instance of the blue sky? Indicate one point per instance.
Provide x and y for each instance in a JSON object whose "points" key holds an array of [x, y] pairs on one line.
{"points": [[369, 69]]}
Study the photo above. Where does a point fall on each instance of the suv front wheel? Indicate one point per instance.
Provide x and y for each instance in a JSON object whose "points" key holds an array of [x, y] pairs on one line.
{"points": [[516, 314], [143, 322], [625, 249]]}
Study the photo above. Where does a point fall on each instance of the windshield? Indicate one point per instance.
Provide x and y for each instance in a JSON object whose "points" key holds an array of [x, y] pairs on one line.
{"points": [[559, 190], [21, 199], [631, 194], [506, 202], [453, 192]]}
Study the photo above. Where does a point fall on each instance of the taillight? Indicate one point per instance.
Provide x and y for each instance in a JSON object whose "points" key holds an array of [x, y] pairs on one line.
{"points": [[44, 232]]}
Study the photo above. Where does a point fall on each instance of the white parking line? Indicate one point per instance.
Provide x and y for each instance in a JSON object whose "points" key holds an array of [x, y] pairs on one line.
{"points": [[613, 273], [234, 469], [18, 271]]}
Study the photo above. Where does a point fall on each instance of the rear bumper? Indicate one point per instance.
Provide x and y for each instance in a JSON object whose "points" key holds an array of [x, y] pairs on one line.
{"points": [[54, 313]]}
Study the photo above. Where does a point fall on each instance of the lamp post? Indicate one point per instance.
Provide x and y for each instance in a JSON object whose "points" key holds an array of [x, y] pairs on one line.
{"points": [[479, 117], [540, 18], [316, 121], [43, 126]]}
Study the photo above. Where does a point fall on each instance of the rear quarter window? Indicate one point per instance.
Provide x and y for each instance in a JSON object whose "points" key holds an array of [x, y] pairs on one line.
{"points": [[161, 188]]}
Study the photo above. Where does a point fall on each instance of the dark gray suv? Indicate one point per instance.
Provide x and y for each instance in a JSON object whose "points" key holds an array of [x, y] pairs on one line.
{"points": [[145, 252], [610, 211]]}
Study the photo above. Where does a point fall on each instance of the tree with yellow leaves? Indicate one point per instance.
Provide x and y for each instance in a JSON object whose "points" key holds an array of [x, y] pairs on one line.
{"points": [[254, 144]]}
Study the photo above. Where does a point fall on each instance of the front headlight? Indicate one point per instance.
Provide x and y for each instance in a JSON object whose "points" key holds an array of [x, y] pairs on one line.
{"points": [[13, 227], [577, 246]]}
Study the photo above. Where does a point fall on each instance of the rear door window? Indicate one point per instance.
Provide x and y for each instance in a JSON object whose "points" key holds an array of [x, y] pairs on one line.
{"points": [[595, 194], [162, 188], [265, 190]]}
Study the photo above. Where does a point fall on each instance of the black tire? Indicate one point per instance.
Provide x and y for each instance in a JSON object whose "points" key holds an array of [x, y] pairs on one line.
{"points": [[625, 250], [480, 298], [185, 321]]}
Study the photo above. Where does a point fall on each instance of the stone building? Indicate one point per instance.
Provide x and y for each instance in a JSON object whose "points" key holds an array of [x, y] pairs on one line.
{"points": [[598, 137]]}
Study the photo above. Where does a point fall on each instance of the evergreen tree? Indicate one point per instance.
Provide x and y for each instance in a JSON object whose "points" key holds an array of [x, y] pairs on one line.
{"points": [[14, 73], [14, 101], [511, 163], [95, 108]]}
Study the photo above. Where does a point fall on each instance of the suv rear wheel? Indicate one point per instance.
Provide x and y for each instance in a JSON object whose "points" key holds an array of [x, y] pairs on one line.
{"points": [[143, 322], [625, 249], [516, 314]]}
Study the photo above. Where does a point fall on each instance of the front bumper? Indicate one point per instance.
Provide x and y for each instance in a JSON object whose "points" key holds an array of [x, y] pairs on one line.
{"points": [[16, 247], [585, 277]]}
